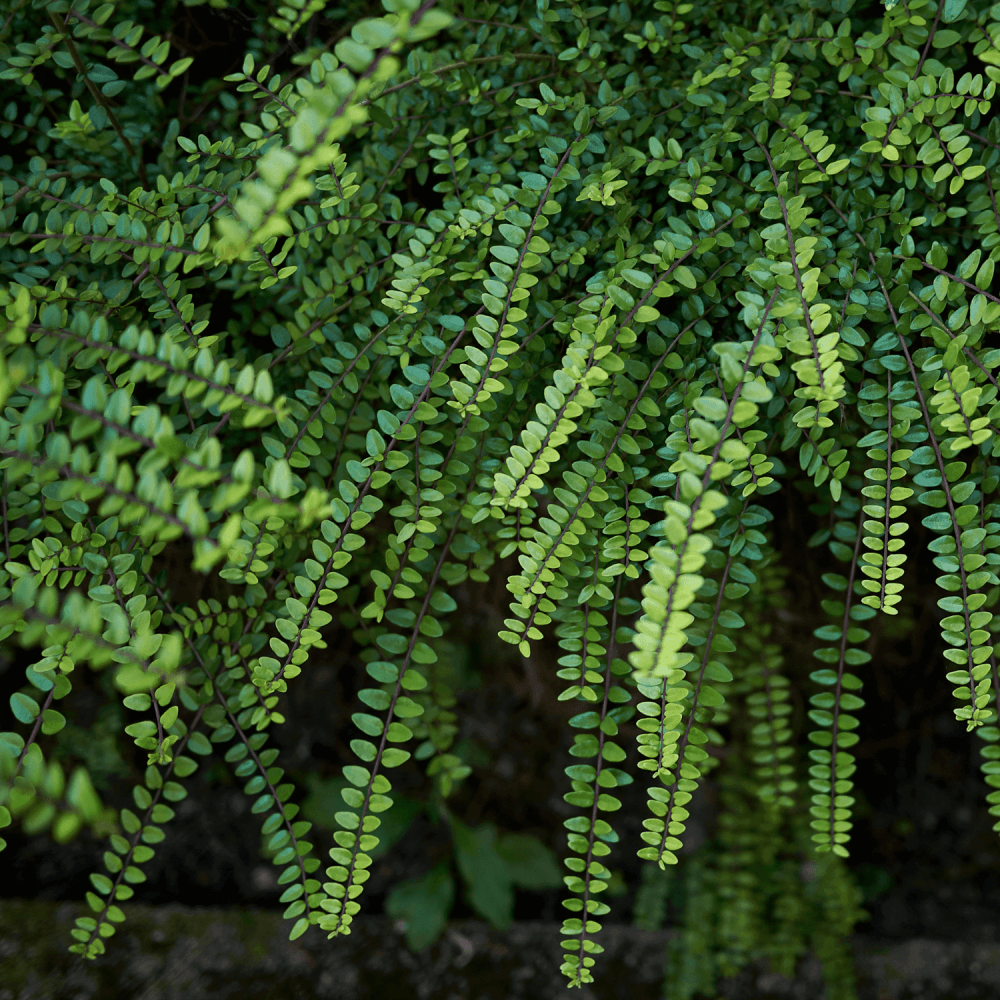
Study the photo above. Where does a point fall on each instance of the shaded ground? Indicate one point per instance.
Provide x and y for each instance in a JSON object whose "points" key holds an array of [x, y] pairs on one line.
{"points": [[177, 953]]}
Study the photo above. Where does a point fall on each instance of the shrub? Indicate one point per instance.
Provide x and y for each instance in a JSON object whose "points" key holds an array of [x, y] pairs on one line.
{"points": [[577, 298]]}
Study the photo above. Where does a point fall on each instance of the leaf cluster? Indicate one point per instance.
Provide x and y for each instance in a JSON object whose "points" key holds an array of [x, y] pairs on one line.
{"points": [[557, 296]]}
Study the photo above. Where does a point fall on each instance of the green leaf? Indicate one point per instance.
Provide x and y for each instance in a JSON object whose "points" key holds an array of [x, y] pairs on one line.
{"points": [[379, 116], [530, 864], [489, 888], [393, 757], [637, 278], [424, 904], [52, 721], [279, 479], [24, 707], [952, 10], [939, 521]]}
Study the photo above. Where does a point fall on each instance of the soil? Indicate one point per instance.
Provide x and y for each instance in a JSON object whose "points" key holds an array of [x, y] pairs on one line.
{"points": [[181, 953]]}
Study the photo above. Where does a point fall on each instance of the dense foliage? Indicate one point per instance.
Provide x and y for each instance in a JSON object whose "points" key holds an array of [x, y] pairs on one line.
{"points": [[558, 294]]}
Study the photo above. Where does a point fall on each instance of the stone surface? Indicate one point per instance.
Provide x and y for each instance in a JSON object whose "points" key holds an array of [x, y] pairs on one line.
{"points": [[186, 953]]}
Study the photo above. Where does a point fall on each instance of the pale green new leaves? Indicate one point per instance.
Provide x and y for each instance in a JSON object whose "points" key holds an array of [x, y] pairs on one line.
{"points": [[323, 115]]}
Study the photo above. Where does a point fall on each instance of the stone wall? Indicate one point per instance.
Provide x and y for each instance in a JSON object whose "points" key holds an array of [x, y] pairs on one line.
{"points": [[184, 953]]}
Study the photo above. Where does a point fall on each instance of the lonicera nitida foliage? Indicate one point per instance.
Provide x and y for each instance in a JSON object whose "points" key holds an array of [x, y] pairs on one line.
{"points": [[560, 293]]}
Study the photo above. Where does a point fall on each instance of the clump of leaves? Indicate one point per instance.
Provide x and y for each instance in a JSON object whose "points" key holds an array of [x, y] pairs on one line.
{"points": [[554, 294]]}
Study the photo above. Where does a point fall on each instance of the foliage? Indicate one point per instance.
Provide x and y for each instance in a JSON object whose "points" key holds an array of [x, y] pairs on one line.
{"points": [[676, 265], [489, 866]]}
